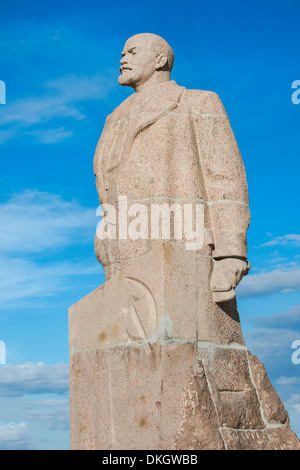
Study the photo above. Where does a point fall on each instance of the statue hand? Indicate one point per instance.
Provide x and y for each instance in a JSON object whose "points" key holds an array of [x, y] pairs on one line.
{"points": [[226, 275]]}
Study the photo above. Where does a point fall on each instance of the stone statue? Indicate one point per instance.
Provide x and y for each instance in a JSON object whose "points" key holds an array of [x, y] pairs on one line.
{"points": [[157, 356], [167, 141]]}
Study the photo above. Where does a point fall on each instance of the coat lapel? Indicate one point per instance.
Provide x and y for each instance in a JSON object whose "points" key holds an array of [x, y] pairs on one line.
{"points": [[144, 112]]}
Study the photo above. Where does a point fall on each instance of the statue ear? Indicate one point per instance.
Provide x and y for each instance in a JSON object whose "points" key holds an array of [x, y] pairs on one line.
{"points": [[161, 62]]}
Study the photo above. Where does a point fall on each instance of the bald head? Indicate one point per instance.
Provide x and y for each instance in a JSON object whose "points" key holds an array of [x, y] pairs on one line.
{"points": [[158, 45], [147, 59]]}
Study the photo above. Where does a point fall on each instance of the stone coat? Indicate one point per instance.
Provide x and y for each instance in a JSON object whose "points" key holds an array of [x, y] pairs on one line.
{"points": [[155, 362], [171, 144]]}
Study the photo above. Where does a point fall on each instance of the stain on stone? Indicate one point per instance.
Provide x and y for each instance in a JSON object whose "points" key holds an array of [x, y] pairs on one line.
{"points": [[115, 329], [102, 336], [143, 423]]}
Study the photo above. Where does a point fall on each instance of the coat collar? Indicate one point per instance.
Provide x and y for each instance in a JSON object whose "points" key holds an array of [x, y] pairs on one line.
{"points": [[160, 97], [140, 111]]}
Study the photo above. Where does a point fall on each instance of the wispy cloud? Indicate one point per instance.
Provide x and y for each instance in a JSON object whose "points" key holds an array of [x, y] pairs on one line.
{"points": [[61, 99], [34, 221], [76, 88], [34, 225], [282, 380], [15, 436], [33, 378], [273, 345], [24, 279], [36, 380], [57, 101], [294, 402], [51, 136], [31, 111], [264, 283], [285, 320], [49, 403], [51, 419], [288, 239]]}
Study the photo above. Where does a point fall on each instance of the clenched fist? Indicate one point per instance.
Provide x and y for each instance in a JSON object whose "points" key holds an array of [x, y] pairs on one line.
{"points": [[226, 275]]}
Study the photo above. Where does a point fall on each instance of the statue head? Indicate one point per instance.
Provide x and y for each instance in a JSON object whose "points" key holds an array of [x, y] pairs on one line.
{"points": [[147, 59]]}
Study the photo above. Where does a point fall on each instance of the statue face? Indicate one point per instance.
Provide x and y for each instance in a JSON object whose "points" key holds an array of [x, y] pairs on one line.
{"points": [[138, 62]]}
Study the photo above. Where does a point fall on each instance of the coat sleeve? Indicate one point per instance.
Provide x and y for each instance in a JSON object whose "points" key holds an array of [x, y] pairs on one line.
{"points": [[223, 176], [98, 163]]}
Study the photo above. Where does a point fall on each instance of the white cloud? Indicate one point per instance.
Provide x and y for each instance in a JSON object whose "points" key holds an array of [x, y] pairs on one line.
{"points": [[59, 101], [290, 318], [282, 380], [75, 88], [278, 280], [288, 239], [32, 378], [52, 136], [28, 112], [292, 405], [54, 403], [294, 400], [14, 436], [34, 225], [273, 346], [33, 222], [35, 379], [23, 279], [51, 419]]}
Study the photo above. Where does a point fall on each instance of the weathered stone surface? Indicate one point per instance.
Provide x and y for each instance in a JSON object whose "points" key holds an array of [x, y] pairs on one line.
{"points": [[227, 367], [268, 439], [272, 406], [231, 385], [157, 355], [199, 429], [130, 397], [239, 410], [168, 142], [150, 297], [140, 378]]}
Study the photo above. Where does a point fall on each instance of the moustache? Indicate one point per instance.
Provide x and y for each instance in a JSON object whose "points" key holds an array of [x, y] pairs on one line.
{"points": [[124, 67]]}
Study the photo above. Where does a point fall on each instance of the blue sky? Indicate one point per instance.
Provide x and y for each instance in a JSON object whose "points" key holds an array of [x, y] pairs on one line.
{"points": [[60, 63]]}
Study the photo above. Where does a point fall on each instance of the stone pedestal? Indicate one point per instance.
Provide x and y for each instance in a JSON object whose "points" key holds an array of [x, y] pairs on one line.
{"points": [[156, 364]]}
